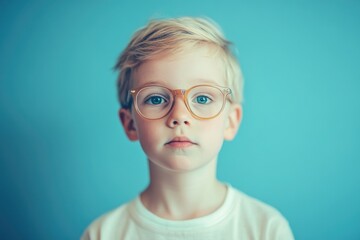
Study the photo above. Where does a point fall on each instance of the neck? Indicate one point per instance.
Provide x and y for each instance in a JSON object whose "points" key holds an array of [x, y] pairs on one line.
{"points": [[183, 195]]}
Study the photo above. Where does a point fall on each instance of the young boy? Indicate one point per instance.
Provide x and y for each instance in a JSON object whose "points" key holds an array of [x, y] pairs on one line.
{"points": [[180, 90]]}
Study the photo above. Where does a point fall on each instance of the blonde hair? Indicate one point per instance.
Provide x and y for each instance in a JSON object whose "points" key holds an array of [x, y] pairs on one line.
{"points": [[171, 36]]}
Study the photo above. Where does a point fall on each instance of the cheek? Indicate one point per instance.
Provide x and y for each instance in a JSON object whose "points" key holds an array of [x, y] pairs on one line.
{"points": [[214, 130], [149, 135]]}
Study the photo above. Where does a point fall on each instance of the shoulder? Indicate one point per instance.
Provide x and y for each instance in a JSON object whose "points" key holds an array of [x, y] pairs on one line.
{"points": [[259, 217], [106, 223], [252, 205]]}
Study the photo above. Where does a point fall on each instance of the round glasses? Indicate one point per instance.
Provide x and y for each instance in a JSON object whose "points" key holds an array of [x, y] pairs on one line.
{"points": [[202, 101]]}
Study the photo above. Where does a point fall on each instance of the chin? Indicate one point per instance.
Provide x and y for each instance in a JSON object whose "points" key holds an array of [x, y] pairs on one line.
{"points": [[180, 165]]}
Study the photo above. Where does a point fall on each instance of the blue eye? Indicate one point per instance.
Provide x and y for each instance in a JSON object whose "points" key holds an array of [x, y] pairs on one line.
{"points": [[155, 100], [202, 99]]}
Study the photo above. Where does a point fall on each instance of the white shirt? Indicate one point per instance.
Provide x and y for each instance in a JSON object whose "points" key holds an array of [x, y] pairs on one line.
{"points": [[239, 217]]}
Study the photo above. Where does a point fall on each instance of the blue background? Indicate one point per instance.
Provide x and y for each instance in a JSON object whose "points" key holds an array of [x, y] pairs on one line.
{"points": [[65, 159]]}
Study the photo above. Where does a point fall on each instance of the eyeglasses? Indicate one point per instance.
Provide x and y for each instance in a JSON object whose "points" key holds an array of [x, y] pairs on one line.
{"points": [[202, 101]]}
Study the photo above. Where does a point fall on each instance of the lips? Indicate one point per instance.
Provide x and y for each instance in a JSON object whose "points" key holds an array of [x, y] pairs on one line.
{"points": [[180, 142]]}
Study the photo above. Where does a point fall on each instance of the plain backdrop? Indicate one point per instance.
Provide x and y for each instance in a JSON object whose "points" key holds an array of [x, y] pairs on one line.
{"points": [[65, 160]]}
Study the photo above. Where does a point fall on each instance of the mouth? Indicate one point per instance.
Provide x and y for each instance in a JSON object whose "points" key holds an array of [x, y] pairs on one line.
{"points": [[180, 142]]}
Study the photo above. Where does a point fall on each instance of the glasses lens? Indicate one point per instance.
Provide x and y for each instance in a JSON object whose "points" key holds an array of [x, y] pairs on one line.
{"points": [[154, 102], [205, 101]]}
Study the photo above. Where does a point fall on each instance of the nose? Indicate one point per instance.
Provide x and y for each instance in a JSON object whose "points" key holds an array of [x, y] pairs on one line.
{"points": [[179, 114]]}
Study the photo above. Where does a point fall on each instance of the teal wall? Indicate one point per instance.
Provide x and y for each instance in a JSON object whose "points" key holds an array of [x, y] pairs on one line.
{"points": [[64, 158]]}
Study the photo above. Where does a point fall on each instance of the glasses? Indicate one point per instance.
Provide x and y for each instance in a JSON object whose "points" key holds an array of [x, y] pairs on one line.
{"points": [[202, 101]]}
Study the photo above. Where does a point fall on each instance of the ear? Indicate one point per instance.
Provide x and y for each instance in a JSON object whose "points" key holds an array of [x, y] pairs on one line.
{"points": [[234, 120], [128, 124]]}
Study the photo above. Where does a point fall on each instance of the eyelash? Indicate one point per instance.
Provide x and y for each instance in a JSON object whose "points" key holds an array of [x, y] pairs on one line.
{"points": [[149, 98]]}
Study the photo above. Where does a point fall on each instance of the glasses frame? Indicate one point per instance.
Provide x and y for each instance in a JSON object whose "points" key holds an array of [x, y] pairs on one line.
{"points": [[184, 94]]}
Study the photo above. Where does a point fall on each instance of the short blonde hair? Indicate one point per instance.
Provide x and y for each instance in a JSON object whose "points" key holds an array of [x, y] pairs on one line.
{"points": [[171, 36]]}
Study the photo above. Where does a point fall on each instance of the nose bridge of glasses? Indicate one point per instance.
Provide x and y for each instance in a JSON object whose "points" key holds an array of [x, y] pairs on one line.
{"points": [[179, 92]]}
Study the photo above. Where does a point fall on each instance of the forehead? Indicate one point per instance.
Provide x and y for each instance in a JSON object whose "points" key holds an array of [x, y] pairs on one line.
{"points": [[201, 65]]}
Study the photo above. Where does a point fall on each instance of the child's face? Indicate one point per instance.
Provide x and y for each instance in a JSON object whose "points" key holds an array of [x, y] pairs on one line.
{"points": [[178, 141]]}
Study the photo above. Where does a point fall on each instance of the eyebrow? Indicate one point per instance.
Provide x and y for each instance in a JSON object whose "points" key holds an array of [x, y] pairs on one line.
{"points": [[193, 82], [205, 81]]}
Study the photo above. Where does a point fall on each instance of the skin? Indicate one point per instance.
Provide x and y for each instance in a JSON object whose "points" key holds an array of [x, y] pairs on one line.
{"points": [[182, 151]]}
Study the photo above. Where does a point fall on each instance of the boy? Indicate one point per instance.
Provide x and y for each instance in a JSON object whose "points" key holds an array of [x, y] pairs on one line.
{"points": [[180, 89]]}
